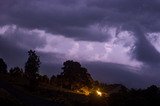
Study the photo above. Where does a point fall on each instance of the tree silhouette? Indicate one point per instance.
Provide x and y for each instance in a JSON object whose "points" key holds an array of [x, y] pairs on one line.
{"points": [[43, 79], [74, 76], [3, 66], [16, 72], [52, 80], [32, 68]]}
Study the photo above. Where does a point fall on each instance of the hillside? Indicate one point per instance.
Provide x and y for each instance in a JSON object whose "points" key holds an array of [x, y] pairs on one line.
{"points": [[18, 94]]}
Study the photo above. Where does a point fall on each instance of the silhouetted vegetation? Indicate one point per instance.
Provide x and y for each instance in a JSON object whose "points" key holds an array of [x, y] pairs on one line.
{"points": [[139, 97], [43, 79], [16, 72], [3, 66], [74, 76], [32, 69], [73, 86]]}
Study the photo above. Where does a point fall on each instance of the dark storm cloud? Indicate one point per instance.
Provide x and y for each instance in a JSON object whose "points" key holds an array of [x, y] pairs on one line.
{"points": [[15, 42], [75, 19], [50, 69], [56, 17], [12, 54], [51, 63], [23, 37], [144, 50], [138, 16], [122, 74]]}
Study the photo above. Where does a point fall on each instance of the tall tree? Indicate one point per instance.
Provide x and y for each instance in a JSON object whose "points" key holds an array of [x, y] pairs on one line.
{"points": [[32, 68], [74, 76], [3, 66]]}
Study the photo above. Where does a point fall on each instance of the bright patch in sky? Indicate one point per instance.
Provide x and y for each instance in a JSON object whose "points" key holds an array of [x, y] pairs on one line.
{"points": [[116, 50], [154, 38]]}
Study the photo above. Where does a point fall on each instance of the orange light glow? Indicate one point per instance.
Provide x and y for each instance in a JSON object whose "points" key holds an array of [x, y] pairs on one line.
{"points": [[99, 93]]}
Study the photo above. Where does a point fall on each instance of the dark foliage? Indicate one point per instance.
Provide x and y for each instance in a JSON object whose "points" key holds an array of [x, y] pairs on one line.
{"points": [[53, 80], [3, 66], [43, 79], [146, 97], [32, 68], [16, 72], [74, 76]]}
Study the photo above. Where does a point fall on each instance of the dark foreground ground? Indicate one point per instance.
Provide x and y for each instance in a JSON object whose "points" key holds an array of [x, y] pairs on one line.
{"points": [[18, 97], [14, 94]]}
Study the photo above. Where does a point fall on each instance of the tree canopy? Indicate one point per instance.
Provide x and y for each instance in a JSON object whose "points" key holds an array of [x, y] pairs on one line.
{"points": [[32, 65], [75, 76], [32, 69], [16, 72]]}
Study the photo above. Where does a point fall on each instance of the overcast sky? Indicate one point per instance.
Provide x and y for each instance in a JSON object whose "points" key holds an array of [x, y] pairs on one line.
{"points": [[118, 41]]}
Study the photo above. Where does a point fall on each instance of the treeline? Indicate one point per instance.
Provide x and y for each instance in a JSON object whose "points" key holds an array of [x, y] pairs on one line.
{"points": [[136, 97], [72, 77]]}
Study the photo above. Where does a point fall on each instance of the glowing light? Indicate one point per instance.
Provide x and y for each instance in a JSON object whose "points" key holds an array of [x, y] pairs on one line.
{"points": [[99, 93]]}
